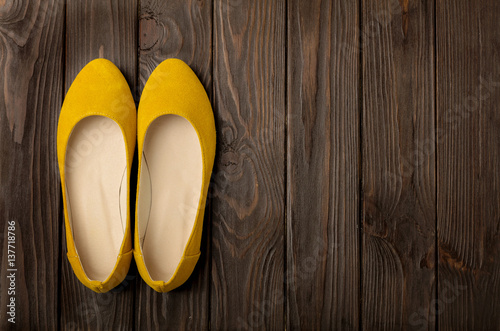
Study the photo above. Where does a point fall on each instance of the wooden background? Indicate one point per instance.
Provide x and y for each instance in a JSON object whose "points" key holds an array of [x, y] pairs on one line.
{"points": [[357, 177]]}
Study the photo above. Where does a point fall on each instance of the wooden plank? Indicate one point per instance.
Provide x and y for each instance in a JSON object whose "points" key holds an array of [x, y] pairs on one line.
{"points": [[102, 29], [248, 185], [323, 166], [468, 198], [95, 29], [398, 129], [180, 29], [31, 39]]}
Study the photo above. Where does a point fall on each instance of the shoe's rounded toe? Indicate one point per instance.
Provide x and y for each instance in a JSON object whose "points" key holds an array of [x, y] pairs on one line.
{"points": [[100, 88]]}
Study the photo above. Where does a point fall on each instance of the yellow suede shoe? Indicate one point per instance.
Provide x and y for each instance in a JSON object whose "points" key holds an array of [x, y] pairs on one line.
{"points": [[176, 143], [95, 146]]}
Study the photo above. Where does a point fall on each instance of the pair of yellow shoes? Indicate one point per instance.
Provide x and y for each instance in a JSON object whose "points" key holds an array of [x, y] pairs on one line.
{"points": [[96, 136]]}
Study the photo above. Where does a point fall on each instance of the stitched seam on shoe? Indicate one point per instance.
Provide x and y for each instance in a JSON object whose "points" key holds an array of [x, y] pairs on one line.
{"points": [[127, 253], [190, 256]]}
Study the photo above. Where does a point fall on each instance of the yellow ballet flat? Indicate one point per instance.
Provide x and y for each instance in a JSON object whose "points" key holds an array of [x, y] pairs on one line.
{"points": [[176, 143], [95, 146]]}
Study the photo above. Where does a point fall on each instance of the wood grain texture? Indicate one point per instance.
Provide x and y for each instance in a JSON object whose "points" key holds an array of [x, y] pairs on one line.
{"points": [[468, 90], [323, 166], [102, 29], [31, 79], [340, 126], [399, 184], [176, 29], [180, 29], [97, 29], [248, 188]]}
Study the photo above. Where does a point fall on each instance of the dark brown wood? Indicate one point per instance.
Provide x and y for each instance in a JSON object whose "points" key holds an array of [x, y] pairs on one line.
{"points": [[101, 29], [398, 157], [323, 166], [176, 29], [31, 79], [98, 29], [352, 138], [468, 198], [248, 187], [180, 29]]}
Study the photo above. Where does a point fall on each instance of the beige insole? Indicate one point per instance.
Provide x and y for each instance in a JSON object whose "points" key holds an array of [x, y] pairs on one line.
{"points": [[96, 188], [169, 193]]}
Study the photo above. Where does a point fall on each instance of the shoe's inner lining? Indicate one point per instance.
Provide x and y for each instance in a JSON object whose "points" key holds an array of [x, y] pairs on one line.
{"points": [[96, 186], [169, 193]]}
